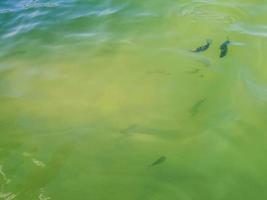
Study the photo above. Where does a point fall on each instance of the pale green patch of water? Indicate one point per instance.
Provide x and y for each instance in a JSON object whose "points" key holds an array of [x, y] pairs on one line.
{"points": [[93, 93]]}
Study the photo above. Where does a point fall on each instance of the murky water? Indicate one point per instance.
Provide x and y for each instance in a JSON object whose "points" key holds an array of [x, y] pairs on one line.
{"points": [[104, 100]]}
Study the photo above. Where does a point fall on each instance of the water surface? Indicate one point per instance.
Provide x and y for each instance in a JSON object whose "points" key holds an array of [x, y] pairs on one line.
{"points": [[92, 93]]}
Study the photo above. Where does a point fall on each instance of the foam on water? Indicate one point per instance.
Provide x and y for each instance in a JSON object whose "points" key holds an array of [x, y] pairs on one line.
{"points": [[6, 180]]}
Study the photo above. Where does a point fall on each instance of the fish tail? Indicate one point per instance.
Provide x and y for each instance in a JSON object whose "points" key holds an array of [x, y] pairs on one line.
{"points": [[209, 41]]}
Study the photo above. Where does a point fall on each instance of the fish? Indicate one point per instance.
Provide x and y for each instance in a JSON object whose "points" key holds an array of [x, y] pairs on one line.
{"points": [[195, 108], [163, 72], [155, 132], [129, 129], [158, 161], [224, 48], [13, 54], [195, 71], [203, 47]]}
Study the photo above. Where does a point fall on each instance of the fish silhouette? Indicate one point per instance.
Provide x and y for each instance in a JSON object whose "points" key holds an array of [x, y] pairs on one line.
{"points": [[195, 108], [224, 48], [158, 161], [203, 47]]}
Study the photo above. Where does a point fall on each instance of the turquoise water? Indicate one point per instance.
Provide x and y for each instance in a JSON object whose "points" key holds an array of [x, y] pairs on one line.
{"points": [[104, 100]]}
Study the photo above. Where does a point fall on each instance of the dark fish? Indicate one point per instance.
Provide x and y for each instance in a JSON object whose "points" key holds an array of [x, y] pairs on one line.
{"points": [[224, 48], [195, 108], [158, 161], [203, 47], [194, 71]]}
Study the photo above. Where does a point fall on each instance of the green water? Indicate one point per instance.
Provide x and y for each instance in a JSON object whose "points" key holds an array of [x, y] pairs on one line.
{"points": [[103, 100]]}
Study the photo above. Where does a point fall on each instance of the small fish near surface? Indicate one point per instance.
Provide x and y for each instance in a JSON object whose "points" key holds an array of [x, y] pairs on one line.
{"points": [[203, 47], [195, 108], [224, 48], [158, 161], [194, 71]]}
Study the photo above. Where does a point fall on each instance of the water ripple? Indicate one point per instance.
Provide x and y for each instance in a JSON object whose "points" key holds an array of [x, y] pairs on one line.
{"points": [[208, 10], [20, 29], [254, 30]]}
